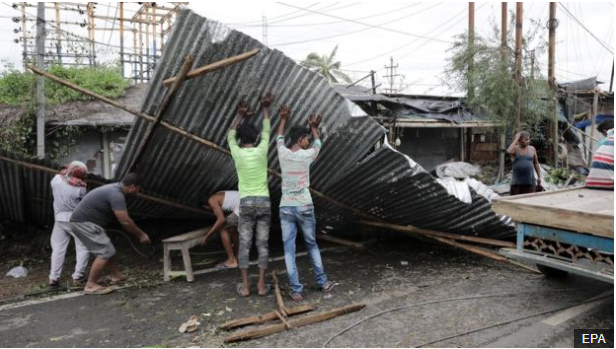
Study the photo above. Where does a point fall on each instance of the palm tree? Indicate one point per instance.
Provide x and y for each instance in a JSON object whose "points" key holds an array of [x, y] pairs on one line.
{"points": [[326, 66]]}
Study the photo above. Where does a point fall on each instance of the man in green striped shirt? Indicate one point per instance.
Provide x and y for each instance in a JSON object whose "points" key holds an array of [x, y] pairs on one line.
{"points": [[250, 160]]}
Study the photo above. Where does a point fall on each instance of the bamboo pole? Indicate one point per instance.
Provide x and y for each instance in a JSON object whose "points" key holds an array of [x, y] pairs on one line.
{"points": [[188, 62], [352, 244], [281, 308], [214, 66], [484, 253], [308, 320], [265, 317], [432, 233]]}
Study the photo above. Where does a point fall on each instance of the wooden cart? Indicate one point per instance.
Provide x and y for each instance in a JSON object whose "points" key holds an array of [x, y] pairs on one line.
{"points": [[564, 231]]}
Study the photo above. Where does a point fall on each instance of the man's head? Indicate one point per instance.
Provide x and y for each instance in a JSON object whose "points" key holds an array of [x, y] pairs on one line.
{"points": [[247, 133], [524, 139], [300, 135], [131, 183], [605, 126]]}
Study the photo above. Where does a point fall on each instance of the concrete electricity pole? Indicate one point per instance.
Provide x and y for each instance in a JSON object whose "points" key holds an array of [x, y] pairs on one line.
{"points": [[40, 81]]}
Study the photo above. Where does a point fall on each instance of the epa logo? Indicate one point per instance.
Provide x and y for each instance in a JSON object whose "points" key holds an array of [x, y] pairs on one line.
{"points": [[593, 338]]}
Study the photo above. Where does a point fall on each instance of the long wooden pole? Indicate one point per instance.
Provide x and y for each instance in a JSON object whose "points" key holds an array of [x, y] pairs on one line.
{"points": [[518, 61], [471, 47], [308, 320], [214, 66], [188, 62], [552, 80], [432, 233], [122, 38], [40, 81]]}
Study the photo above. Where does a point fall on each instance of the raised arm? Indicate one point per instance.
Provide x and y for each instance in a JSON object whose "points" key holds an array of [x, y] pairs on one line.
{"points": [[266, 102], [242, 113], [514, 144], [129, 225], [314, 121], [214, 202], [284, 115]]}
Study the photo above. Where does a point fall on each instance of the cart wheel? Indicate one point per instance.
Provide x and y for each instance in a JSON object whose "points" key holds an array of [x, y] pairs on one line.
{"points": [[552, 272]]}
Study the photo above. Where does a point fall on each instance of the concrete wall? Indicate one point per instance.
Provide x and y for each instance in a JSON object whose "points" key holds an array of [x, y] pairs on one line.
{"points": [[90, 150]]}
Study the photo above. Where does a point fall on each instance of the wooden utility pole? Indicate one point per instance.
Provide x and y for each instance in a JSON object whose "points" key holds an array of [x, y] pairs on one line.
{"points": [[471, 47], [90, 11], [58, 33], [501, 153], [552, 24], [24, 33], [518, 60], [593, 122], [122, 37], [40, 81]]}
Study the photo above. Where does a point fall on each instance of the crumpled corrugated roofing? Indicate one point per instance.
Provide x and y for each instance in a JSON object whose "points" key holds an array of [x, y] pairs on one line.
{"points": [[382, 182]]}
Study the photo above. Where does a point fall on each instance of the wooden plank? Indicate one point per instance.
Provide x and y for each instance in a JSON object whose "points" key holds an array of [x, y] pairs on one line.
{"points": [[253, 320], [187, 236], [214, 66], [352, 244], [308, 320], [595, 224], [281, 308]]}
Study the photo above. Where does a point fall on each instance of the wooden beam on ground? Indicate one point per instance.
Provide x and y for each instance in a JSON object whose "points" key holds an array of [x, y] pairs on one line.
{"points": [[484, 253], [432, 233], [308, 320], [352, 244], [214, 66], [265, 317], [281, 308]]}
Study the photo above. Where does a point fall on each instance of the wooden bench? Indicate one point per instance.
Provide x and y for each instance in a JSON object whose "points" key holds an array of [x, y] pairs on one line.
{"points": [[184, 243]]}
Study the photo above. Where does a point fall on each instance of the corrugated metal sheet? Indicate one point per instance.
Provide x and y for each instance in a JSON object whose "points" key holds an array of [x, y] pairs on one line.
{"points": [[384, 183], [25, 194]]}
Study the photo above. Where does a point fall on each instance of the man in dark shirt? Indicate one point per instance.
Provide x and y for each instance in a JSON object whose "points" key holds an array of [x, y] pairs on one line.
{"points": [[96, 211]]}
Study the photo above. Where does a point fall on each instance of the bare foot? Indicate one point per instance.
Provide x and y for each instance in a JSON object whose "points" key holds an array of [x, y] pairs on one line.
{"points": [[242, 291], [92, 288]]}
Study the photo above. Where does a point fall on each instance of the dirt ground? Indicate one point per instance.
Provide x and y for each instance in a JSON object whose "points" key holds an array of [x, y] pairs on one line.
{"points": [[418, 293]]}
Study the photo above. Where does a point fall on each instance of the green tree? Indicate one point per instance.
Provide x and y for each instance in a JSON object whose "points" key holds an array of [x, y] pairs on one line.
{"points": [[488, 70], [327, 66]]}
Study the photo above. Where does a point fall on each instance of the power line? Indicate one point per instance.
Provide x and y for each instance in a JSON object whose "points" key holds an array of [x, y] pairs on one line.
{"points": [[586, 29], [370, 26], [342, 21], [415, 40]]}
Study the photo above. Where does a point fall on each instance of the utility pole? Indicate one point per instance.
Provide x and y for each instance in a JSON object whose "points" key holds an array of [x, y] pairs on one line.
{"points": [[264, 29], [24, 32], [58, 33], [391, 75], [471, 48], [552, 24], [372, 72], [518, 61], [501, 153], [122, 37], [40, 81]]}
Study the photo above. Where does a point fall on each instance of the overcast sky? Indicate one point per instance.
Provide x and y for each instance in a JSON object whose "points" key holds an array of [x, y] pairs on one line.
{"points": [[416, 35]]}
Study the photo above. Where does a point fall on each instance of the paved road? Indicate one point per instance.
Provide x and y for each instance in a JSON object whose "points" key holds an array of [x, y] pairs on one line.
{"points": [[443, 297]]}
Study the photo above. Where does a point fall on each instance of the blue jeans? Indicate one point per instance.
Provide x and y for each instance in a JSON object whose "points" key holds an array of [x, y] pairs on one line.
{"points": [[290, 218]]}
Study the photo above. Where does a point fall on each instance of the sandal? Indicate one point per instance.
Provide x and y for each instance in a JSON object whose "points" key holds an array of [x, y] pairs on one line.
{"points": [[100, 291], [296, 297], [238, 289], [222, 266], [268, 288], [328, 286]]}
